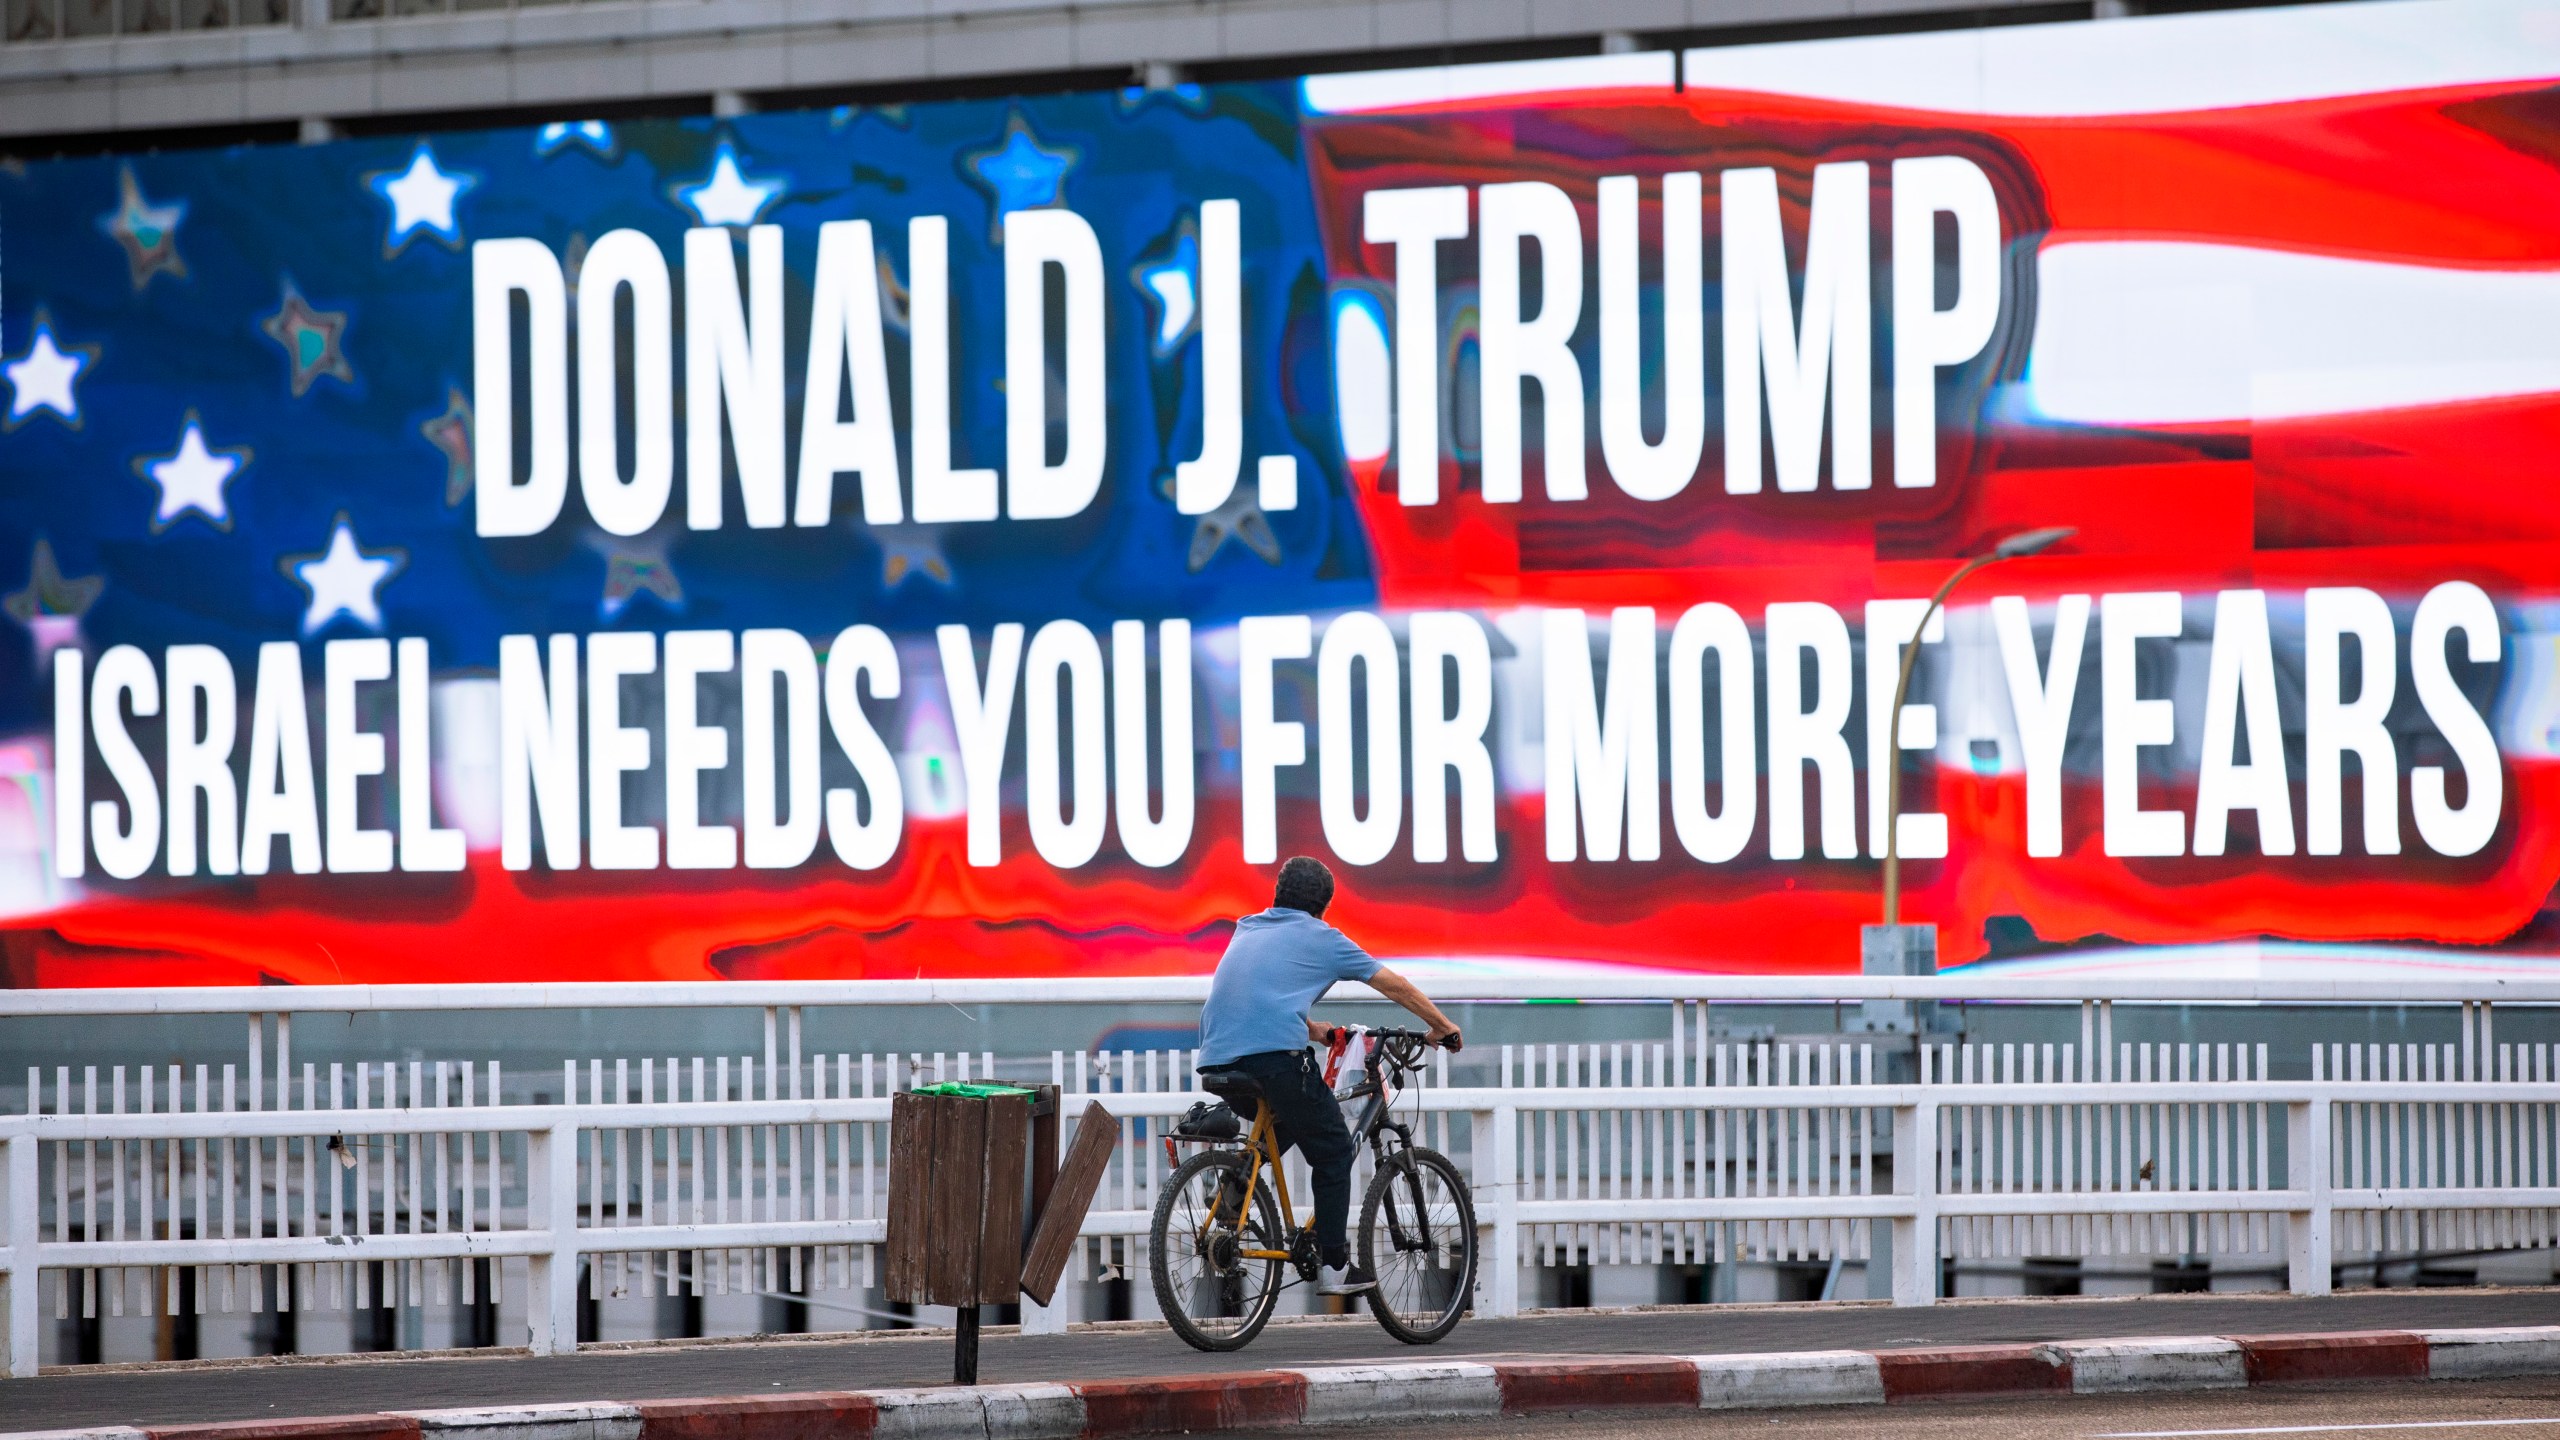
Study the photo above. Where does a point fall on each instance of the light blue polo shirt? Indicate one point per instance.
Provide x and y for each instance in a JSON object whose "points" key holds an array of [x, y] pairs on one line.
{"points": [[1277, 966]]}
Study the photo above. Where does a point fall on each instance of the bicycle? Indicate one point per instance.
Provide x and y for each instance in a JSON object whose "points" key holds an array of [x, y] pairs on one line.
{"points": [[1219, 1241]]}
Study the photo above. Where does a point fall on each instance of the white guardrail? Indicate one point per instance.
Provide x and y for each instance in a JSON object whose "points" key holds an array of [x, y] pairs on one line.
{"points": [[380, 1183]]}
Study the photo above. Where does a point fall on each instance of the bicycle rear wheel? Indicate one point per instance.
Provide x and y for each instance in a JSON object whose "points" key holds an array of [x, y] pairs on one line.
{"points": [[1418, 1237], [1213, 1296]]}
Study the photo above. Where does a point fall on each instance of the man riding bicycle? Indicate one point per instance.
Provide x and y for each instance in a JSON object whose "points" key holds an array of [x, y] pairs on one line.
{"points": [[1278, 965]]}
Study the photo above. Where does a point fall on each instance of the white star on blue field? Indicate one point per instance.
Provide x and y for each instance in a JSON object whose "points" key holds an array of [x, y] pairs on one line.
{"points": [[45, 377], [343, 580], [191, 477], [727, 196], [422, 199]]}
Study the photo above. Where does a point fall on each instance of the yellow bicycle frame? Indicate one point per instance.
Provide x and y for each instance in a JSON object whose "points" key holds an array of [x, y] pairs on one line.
{"points": [[1263, 1147]]}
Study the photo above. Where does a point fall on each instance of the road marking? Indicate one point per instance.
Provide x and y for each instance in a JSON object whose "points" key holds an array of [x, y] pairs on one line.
{"points": [[2321, 1429]]}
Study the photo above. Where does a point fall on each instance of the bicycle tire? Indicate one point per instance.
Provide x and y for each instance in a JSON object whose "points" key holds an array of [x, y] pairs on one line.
{"points": [[1390, 1193], [1164, 1249]]}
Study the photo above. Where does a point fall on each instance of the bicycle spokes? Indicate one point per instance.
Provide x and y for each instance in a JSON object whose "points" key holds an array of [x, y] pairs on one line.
{"points": [[1418, 1236], [1209, 1266]]}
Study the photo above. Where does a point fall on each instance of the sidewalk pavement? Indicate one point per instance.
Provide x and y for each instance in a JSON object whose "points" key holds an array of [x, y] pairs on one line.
{"points": [[1326, 1372]]}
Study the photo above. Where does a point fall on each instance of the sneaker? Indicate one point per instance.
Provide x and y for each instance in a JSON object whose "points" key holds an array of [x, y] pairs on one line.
{"points": [[1345, 1280]]}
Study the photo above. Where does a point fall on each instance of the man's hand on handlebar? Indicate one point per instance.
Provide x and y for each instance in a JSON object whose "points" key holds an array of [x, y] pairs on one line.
{"points": [[1441, 1034]]}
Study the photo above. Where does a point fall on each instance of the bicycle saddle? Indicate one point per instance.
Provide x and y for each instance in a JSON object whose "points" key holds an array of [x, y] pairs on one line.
{"points": [[1229, 1084]]}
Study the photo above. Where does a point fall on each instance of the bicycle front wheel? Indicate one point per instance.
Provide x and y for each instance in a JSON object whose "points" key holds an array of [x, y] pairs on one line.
{"points": [[1213, 1295], [1418, 1237]]}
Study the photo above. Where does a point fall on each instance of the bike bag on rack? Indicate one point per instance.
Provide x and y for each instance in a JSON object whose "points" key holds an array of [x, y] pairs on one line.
{"points": [[1209, 1120]]}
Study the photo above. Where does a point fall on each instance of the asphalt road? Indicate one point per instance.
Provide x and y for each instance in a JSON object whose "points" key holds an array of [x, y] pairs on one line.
{"points": [[2420, 1410], [247, 1390]]}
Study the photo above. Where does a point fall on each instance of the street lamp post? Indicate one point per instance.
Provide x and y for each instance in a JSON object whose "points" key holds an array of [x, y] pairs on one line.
{"points": [[1894, 948]]}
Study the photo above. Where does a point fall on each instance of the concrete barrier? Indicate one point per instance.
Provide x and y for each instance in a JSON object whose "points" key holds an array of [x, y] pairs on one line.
{"points": [[1769, 1382], [2179, 1362], [1445, 1390]]}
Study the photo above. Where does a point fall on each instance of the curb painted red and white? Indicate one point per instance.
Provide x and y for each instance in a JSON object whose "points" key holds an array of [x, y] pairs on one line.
{"points": [[1449, 1390]]}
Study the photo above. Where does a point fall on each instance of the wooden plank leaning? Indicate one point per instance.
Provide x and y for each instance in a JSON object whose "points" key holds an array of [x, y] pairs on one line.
{"points": [[1053, 1236]]}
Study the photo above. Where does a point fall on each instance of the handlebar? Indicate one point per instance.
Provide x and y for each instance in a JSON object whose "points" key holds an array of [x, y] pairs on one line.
{"points": [[1454, 1042]]}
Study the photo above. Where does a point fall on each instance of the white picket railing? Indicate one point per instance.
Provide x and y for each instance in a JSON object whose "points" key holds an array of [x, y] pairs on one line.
{"points": [[355, 1184]]}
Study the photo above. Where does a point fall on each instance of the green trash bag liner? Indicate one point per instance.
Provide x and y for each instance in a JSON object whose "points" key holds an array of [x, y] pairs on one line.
{"points": [[970, 1090]]}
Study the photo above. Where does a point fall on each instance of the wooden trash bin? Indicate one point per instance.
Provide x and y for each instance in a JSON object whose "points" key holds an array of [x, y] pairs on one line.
{"points": [[958, 1158], [956, 1167], [963, 1162]]}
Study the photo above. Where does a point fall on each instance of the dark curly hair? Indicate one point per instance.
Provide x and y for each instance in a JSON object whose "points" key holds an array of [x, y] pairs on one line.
{"points": [[1305, 884]]}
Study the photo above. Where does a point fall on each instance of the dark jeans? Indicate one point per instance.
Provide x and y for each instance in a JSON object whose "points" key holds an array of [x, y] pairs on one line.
{"points": [[1308, 1118]]}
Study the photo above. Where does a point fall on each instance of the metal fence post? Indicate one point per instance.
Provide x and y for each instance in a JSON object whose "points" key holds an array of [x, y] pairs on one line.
{"points": [[551, 1184], [2308, 1230], [1497, 1195], [1915, 1174], [22, 1232]]}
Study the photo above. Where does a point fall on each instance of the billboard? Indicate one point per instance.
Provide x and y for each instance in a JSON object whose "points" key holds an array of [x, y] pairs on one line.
{"points": [[980, 538]]}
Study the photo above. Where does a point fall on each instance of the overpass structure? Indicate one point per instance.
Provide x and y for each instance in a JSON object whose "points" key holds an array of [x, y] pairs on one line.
{"points": [[133, 72]]}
